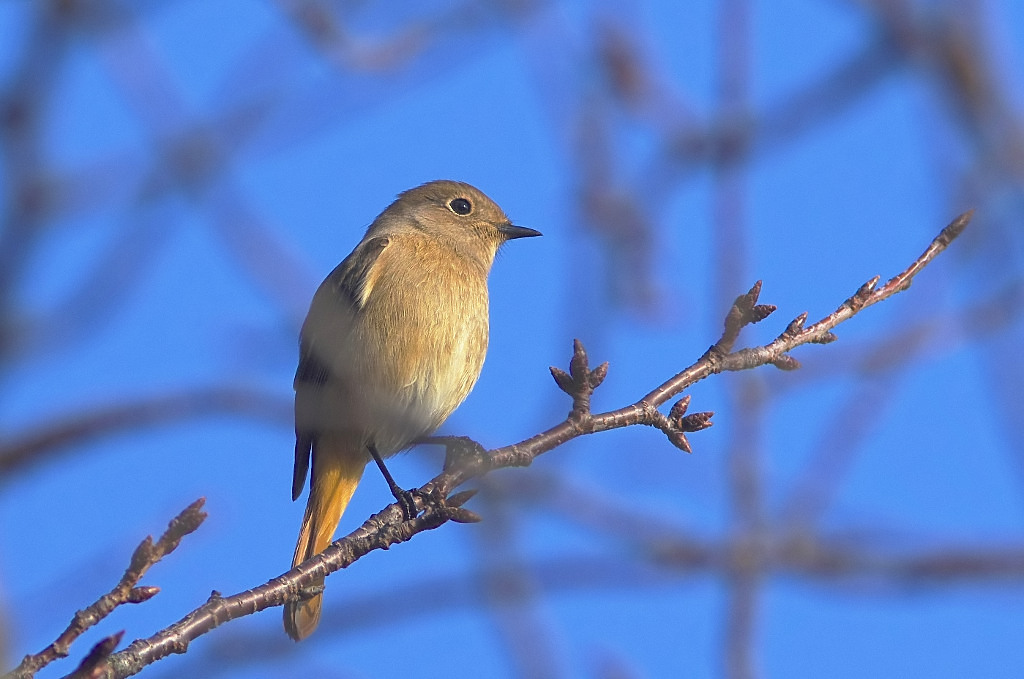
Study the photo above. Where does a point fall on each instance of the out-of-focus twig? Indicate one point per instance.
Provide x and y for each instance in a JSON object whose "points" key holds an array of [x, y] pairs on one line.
{"points": [[22, 451]]}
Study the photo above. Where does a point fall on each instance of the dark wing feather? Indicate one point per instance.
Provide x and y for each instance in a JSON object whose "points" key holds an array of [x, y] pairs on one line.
{"points": [[347, 281], [350, 277], [303, 446]]}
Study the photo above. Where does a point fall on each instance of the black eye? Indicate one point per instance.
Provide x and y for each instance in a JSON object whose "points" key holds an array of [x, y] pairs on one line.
{"points": [[460, 206]]}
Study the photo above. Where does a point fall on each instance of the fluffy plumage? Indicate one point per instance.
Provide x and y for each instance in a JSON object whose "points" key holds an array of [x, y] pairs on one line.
{"points": [[394, 341]]}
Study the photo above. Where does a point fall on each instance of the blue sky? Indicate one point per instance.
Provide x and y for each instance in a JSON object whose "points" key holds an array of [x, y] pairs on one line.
{"points": [[204, 284]]}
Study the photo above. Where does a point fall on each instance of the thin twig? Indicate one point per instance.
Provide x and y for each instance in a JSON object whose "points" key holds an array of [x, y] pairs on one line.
{"points": [[23, 451], [126, 591], [388, 527]]}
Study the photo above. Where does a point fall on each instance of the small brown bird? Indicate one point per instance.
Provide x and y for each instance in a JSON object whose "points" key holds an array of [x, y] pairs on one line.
{"points": [[393, 342]]}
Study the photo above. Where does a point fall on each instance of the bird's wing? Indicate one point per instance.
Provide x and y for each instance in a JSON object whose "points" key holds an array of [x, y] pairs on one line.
{"points": [[341, 295]]}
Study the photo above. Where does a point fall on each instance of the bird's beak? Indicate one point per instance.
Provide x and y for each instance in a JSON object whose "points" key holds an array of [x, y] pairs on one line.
{"points": [[512, 231]]}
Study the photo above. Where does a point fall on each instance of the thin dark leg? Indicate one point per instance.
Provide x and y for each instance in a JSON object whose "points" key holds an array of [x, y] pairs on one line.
{"points": [[406, 499]]}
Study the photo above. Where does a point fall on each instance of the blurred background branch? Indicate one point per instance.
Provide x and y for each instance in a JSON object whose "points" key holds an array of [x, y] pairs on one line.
{"points": [[176, 177]]}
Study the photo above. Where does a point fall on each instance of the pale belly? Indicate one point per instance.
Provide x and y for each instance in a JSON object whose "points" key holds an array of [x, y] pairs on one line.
{"points": [[432, 362]]}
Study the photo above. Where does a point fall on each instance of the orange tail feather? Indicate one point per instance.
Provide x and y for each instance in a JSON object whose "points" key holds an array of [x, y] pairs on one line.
{"points": [[336, 474]]}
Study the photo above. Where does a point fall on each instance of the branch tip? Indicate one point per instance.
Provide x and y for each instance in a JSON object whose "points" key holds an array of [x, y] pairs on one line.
{"points": [[679, 440], [868, 287], [143, 556], [761, 312], [796, 325], [679, 409], [697, 421], [462, 515], [188, 521], [461, 497], [825, 338], [579, 365], [744, 311], [580, 381], [138, 595], [745, 302], [786, 362], [562, 379], [90, 665], [754, 292], [955, 228]]}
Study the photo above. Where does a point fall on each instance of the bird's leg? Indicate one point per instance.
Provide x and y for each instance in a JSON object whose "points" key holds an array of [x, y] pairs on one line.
{"points": [[406, 498]]}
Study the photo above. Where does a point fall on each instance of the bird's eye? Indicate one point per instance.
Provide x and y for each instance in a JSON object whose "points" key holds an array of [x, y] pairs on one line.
{"points": [[460, 206]]}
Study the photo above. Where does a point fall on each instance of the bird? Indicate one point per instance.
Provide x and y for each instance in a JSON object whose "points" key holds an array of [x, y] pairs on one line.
{"points": [[393, 342]]}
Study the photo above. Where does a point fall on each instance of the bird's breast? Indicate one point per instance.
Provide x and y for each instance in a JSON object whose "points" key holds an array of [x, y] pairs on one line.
{"points": [[427, 327]]}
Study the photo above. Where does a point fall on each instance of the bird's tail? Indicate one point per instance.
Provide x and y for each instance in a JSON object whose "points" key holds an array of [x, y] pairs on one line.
{"points": [[335, 477]]}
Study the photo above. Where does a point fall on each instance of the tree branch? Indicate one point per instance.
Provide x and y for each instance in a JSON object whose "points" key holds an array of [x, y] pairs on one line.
{"points": [[22, 451], [387, 527], [126, 591]]}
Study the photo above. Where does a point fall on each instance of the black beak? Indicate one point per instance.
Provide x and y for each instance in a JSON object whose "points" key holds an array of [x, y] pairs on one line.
{"points": [[512, 231]]}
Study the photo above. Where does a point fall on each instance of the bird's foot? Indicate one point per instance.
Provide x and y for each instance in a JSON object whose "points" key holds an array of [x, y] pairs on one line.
{"points": [[310, 591], [407, 501], [457, 449], [406, 498]]}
